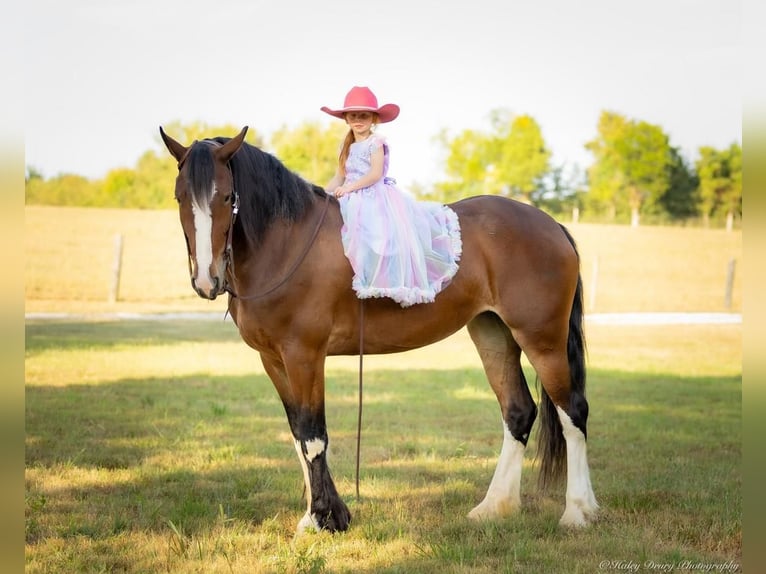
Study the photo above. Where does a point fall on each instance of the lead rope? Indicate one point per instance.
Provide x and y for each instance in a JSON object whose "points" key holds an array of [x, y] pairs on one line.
{"points": [[359, 418]]}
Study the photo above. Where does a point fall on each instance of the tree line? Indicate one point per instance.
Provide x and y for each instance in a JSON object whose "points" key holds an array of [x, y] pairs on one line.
{"points": [[636, 173]]}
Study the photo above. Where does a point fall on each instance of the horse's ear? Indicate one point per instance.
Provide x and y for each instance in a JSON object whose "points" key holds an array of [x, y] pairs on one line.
{"points": [[227, 150], [176, 149]]}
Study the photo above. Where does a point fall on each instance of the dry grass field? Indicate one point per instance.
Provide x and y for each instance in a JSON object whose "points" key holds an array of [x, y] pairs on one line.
{"points": [[70, 255]]}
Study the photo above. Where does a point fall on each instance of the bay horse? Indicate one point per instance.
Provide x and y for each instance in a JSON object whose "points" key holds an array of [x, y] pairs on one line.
{"points": [[272, 241]]}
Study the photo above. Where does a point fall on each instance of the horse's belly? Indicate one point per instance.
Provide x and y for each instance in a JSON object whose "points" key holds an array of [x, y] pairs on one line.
{"points": [[389, 328]]}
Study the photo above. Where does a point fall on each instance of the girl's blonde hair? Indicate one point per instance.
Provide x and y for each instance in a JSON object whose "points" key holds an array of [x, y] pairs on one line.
{"points": [[346, 147]]}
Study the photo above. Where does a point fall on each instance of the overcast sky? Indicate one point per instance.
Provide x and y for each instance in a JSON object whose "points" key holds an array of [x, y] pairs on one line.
{"points": [[102, 75]]}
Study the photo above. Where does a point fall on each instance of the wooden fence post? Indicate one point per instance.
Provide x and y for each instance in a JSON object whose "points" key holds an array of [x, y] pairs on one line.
{"points": [[114, 291]]}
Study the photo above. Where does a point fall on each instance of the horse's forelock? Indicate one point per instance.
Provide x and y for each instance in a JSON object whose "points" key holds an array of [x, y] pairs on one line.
{"points": [[201, 174]]}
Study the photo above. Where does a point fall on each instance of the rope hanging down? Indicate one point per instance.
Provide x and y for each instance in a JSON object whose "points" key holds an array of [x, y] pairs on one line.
{"points": [[359, 418]]}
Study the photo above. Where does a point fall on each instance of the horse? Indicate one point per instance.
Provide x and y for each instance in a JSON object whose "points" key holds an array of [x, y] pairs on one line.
{"points": [[261, 234]]}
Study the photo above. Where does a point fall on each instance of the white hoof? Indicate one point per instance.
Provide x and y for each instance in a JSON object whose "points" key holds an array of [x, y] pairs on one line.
{"points": [[488, 510], [579, 515], [307, 524]]}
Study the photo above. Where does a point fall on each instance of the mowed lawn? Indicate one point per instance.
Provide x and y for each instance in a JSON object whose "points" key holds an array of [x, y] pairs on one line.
{"points": [[162, 446]]}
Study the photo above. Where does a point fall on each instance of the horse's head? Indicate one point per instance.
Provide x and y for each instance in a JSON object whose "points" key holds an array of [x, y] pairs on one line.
{"points": [[206, 203]]}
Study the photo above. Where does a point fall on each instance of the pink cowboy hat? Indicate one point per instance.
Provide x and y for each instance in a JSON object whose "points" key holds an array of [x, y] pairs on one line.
{"points": [[360, 99]]}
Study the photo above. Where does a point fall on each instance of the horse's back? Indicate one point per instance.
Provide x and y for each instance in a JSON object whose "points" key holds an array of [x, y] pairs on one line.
{"points": [[494, 215], [516, 255]]}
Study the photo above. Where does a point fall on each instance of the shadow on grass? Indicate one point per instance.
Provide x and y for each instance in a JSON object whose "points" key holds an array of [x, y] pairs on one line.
{"points": [[69, 335]]}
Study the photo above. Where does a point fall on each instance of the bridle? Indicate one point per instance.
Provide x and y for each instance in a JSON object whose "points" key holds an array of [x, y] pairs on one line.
{"points": [[229, 251]]}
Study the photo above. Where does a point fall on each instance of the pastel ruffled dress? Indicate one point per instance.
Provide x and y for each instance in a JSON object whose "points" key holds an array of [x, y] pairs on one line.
{"points": [[398, 247]]}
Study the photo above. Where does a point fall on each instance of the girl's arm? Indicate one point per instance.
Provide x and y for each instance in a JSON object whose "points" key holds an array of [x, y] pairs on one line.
{"points": [[371, 177], [335, 182]]}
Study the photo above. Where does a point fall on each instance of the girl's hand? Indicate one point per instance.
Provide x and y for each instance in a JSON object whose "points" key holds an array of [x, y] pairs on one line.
{"points": [[341, 191]]}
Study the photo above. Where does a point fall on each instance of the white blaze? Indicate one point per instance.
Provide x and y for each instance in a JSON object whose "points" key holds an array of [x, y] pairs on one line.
{"points": [[203, 240]]}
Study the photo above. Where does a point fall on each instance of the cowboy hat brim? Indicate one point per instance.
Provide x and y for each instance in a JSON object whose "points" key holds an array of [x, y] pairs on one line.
{"points": [[386, 113]]}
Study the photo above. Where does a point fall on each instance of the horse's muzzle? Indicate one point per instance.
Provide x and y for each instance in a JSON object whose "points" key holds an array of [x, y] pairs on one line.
{"points": [[211, 295]]}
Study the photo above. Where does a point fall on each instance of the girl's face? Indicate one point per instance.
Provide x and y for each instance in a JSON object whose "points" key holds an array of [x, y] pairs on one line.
{"points": [[360, 122]]}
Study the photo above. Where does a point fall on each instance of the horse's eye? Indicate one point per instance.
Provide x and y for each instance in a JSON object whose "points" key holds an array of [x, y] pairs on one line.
{"points": [[227, 198]]}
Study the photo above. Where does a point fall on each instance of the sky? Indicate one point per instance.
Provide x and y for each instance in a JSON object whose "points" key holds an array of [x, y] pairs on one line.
{"points": [[102, 75]]}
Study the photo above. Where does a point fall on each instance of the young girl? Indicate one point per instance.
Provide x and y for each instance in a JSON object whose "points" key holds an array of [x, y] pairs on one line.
{"points": [[399, 248]]}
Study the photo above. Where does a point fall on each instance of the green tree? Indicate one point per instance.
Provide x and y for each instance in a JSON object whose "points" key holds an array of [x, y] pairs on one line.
{"points": [[187, 133], [64, 189], [466, 166], [517, 156], [559, 191], [511, 159], [120, 190], [681, 199], [310, 150], [151, 183], [720, 176], [604, 175], [630, 166]]}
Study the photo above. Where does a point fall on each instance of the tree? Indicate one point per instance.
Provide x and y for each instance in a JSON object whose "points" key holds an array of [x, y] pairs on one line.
{"points": [[310, 150], [187, 133], [720, 176], [559, 191], [150, 185], [517, 156], [465, 166], [119, 188], [154, 181], [681, 199], [630, 167], [64, 189], [509, 160]]}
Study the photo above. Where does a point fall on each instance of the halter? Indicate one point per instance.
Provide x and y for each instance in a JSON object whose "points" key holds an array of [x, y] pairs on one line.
{"points": [[229, 251], [234, 209]]}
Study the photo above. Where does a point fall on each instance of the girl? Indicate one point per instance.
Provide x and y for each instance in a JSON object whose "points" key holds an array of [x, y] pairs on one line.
{"points": [[399, 248]]}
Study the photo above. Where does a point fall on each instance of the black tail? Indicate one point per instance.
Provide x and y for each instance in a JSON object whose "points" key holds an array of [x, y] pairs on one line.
{"points": [[551, 444]]}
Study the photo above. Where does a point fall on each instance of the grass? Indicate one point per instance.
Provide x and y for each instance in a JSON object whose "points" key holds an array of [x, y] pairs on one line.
{"points": [[162, 447]]}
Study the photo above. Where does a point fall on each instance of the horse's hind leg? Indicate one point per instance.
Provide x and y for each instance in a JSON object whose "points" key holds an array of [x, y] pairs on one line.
{"points": [[563, 433], [501, 357]]}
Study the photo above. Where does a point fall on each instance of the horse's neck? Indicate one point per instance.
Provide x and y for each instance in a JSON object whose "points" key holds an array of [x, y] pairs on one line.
{"points": [[282, 244]]}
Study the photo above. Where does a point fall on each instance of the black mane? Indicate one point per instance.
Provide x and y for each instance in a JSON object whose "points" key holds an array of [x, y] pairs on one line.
{"points": [[268, 191]]}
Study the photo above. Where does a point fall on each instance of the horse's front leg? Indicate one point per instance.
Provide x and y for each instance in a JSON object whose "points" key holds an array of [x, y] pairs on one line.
{"points": [[300, 383]]}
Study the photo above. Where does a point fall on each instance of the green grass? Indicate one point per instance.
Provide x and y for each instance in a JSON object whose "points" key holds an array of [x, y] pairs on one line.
{"points": [[162, 447]]}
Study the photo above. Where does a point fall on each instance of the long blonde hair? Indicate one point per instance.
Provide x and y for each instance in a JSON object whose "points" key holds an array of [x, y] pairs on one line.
{"points": [[346, 147]]}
